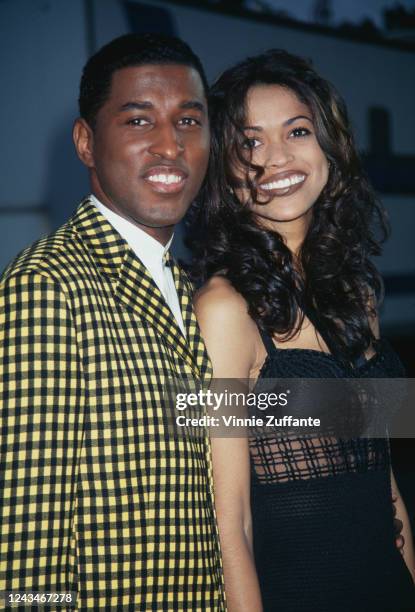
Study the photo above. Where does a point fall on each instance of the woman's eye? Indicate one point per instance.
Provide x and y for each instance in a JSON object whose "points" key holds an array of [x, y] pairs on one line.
{"points": [[251, 143], [139, 121], [299, 132]]}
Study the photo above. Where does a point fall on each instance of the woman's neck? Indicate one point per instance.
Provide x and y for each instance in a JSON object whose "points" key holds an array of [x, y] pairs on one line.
{"points": [[293, 232]]}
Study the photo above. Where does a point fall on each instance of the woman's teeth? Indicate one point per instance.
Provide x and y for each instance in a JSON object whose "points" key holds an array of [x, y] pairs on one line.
{"points": [[284, 183]]}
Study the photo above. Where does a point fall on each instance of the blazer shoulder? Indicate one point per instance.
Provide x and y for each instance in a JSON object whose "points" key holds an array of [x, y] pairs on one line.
{"points": [[54, 256]]}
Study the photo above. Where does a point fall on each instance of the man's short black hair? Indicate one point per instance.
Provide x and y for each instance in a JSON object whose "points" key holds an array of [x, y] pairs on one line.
{"points": [[125, 51]]}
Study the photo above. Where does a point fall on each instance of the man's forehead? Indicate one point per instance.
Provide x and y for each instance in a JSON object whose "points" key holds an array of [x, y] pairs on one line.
{"points": [[158, 80]]}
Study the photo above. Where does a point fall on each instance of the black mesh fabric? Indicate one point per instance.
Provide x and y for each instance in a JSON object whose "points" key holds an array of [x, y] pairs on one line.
{"points": [[284, 459], [322, 508]]}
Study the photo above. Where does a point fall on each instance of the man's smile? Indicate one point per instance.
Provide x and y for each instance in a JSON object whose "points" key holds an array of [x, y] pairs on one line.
{"points": [[166, 179]]}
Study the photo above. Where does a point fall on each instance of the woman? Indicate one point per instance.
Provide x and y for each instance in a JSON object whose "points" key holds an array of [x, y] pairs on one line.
{"points": [[290, 291]]}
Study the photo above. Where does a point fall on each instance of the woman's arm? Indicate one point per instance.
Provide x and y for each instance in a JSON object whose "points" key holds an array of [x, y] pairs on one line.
{"points": [[228, 334], [403, 537], [230, 458], [401, 514]]}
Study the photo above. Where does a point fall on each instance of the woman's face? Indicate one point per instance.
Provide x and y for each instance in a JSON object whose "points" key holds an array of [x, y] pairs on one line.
{"points": [[280, 137]]}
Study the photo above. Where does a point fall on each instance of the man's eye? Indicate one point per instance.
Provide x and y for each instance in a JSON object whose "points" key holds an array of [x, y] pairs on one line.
{"points": [[300, 132], [139, 121], [251, 143], [189, 121]]}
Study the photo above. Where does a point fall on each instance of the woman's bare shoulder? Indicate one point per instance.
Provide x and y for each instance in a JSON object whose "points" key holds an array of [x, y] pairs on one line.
{"points": [[219, 294], [230, 334], [218, 303]]}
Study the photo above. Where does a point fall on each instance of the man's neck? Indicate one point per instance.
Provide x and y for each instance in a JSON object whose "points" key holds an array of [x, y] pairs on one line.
{"points": [[161, 234]]}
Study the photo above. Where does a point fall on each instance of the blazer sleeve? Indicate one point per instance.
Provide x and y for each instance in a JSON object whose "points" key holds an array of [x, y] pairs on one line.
{"points": [[42, 394]]}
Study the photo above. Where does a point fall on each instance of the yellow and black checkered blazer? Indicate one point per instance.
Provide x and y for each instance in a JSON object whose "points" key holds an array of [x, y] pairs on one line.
{"points": [[97, 497]]}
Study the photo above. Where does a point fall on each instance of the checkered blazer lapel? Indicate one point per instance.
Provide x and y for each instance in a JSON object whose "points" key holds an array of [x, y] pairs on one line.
{"points": [[134, 286], [185, 292]]}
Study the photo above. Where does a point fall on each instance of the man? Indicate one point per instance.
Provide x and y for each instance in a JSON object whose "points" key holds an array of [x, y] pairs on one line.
{"points": [[97, 497]]}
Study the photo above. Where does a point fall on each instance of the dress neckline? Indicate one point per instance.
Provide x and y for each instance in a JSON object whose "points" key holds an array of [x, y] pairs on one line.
{"points": [[333, 350], [379, 343]]}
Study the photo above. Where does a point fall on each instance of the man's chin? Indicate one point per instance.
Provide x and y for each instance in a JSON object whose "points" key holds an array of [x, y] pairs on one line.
{"points": [[164, 216], [161, 221]]}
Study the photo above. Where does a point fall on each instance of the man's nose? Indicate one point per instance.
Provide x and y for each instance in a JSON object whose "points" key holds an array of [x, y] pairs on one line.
{"points": [[167, 143]]}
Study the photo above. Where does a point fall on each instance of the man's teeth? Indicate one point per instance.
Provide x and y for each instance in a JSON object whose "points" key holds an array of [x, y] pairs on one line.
{"points": [[284, 183], [165, 178]]}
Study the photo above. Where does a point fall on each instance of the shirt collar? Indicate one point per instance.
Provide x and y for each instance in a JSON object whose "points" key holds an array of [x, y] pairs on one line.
{"points": [[149, 250]]}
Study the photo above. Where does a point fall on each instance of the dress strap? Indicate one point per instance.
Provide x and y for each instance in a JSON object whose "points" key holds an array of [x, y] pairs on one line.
{"points": [[267, 340], [359, 361], [314, 319], [312, 315]]}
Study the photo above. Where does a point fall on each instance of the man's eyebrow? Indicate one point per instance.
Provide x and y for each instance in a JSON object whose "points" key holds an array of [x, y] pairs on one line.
{"points": [[193, 105], [144, 105], [257, 128]]}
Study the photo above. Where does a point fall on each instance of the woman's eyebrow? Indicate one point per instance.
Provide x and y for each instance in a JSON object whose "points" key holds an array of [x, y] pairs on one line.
{"points": [[290, 121], [257, 128]]}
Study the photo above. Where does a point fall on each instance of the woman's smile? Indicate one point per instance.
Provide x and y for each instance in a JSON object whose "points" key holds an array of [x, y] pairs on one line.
{"points": [[283, 183]]}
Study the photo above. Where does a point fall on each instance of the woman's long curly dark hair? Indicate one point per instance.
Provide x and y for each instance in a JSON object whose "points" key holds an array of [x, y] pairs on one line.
{"points": [[334, 275]]}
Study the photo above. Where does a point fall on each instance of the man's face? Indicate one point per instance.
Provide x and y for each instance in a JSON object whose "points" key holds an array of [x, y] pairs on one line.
{"points": [[148, 152]]}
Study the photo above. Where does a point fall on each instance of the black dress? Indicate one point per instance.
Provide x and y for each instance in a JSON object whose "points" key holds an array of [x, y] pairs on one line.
{"points": [[322, 511]]}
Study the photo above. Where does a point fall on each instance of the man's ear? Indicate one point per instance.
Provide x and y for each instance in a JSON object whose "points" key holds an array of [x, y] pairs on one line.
{"points": [[83, 138]]}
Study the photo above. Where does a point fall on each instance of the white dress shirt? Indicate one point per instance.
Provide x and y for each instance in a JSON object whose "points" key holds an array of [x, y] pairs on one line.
{"points": [[151, 253]]}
